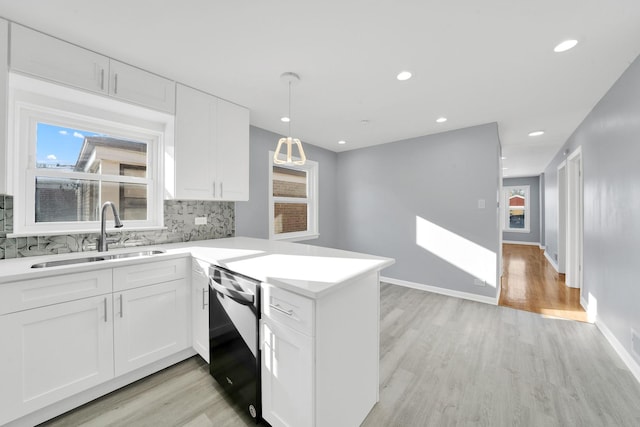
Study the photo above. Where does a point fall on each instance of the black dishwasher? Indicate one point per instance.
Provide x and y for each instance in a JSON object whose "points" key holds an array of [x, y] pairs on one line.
{"points": [[234, 315]]}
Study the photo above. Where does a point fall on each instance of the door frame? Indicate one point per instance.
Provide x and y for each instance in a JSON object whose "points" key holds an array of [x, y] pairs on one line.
{"points": [[575, 219], [562, 217]]}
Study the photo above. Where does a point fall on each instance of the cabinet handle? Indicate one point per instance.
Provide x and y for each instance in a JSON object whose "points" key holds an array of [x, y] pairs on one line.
{"points": [[102, 79], [221, 190], [281, 310], [204, 304], [115, 84], [105, 310], [121, 311], [214, 189]]}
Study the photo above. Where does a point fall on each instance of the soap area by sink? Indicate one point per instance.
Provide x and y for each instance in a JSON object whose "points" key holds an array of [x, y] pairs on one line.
{"points": [[71, 261]]}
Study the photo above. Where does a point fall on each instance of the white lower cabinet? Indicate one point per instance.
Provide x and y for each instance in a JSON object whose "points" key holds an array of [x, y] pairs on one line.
{"points": [[52, 348], [53, 352], [287, 369], [150, 323], [200, 307]]}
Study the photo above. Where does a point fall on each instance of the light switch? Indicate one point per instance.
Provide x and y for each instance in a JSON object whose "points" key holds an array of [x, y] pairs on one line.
{"points": [[201, 220], [481, 204]]}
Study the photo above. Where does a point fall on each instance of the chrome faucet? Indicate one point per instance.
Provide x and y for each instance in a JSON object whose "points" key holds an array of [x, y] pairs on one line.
{"points": [[102, 240]]}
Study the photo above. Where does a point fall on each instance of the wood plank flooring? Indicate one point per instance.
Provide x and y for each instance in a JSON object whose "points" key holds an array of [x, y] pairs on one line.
{"points": [[444, 362], [530, 283]]}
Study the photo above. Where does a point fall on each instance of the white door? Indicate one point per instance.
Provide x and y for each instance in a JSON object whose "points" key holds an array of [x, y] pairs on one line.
{"points": [[233, 151], [141, 87], [195, 145], [200, 308], [44, 56], [562, 218], [574, 219], [53, 352], [287, 376], [150, 323]]}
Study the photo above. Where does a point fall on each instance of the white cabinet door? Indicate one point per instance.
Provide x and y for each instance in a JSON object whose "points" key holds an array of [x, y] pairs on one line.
{"points": [[53, 59], [150, 323], [53, 352], [211, 147], [287, 376], [200, 308], [233, 151], [195, 148], [141, 87], [4, 49]]}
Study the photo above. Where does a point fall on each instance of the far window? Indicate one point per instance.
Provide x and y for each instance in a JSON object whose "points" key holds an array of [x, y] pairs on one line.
{"points": [[516, 203], [293, 201]]}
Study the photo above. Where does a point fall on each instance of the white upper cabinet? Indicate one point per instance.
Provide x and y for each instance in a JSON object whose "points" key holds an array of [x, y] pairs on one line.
{"points": [[4, 55], [141, 87], [49, 58], [53, 59], [211, 147]]}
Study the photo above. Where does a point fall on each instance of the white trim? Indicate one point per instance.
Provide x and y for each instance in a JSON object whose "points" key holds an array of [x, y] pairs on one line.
{"points": [[516, 242], [584, 304], [626, 357], [441, 291], [542, 247], [551, 261], [312, 200]]}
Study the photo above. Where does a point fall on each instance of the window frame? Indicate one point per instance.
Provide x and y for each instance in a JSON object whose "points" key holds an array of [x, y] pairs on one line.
{"points": [[32, 101], [311, 168], [527, 209]]}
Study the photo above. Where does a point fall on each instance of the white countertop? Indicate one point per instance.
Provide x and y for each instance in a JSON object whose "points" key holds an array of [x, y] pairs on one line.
{"points": [[308, 270]]}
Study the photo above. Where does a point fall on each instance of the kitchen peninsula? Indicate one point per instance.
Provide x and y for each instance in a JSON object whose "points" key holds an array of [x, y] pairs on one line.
{"points": [[78, 331]]}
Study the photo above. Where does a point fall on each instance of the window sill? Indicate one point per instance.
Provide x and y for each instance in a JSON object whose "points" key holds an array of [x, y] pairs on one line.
{"points": [[295, 238], [81, 231], [519, 230]]}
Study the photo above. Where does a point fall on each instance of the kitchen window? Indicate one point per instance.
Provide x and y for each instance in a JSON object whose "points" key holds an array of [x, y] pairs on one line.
{"points": [[517, 203], [74, 151], [293, 201]]}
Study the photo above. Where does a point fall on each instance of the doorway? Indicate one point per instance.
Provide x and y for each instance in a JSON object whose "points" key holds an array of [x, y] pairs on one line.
{"points": [[574, 215]]}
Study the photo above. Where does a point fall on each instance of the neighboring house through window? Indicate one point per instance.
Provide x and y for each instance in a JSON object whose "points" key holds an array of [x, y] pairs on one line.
{"points": [[293, 201], [516, 211]]}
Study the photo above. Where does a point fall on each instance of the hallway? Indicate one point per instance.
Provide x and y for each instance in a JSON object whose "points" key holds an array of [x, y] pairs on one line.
{"points": [[530, 283]]}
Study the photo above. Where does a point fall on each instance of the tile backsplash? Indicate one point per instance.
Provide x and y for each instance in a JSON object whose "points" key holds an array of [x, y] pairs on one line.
{"points": [[179, 220]]}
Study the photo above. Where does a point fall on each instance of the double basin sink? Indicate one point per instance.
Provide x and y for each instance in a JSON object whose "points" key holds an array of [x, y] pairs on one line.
{"points": [[105, 257]]}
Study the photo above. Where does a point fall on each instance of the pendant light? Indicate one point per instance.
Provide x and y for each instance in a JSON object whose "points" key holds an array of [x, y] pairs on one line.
{"points": [[289, 78]]}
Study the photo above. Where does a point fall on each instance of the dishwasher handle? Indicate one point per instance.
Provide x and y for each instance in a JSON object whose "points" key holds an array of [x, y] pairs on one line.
{"points": [[244, 298]]}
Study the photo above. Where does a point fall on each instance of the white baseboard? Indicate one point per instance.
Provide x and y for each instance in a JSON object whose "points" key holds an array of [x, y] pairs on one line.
{"points": [[552, 262], [626, 357], [442, 291], [542, 247], [516, 242]]}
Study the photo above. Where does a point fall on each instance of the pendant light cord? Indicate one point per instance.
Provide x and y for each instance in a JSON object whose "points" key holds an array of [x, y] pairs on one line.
{"points": [[289, 109]]}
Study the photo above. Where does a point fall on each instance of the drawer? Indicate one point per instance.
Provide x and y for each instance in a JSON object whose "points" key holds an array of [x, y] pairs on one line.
{"points": [[135, 276], [288, 309], [26, 294]]}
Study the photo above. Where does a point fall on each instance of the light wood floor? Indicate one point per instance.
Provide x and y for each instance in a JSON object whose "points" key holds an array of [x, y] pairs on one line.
{"points": [[444, 362], [530, 283]]}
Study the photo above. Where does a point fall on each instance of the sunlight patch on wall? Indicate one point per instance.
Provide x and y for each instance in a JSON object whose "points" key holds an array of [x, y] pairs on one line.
{"points": [[462, 253]]}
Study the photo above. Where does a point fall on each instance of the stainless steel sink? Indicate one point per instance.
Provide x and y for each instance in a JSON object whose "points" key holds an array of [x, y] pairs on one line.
{"points": [[71, 261]]}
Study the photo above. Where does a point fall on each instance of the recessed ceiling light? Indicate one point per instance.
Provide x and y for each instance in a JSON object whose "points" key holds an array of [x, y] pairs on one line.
{"points": [[565, 46], [342, 142], [403, 75], [503, 158], [441, 119], [536, 133], [504, 169], [285, 119]]}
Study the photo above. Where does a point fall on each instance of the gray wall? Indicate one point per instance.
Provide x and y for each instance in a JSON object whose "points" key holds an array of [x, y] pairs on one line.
{"points": [[252, 218], [533, 236], [610, 141], [439, 178]]}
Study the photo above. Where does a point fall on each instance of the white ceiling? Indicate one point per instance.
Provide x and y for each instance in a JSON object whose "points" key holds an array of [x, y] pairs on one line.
{"points": [[473, 61]]}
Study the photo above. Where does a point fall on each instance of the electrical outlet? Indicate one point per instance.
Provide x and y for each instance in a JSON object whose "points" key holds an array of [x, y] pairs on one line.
{"points": [[479, 282], [201, 220], [481, 204]]}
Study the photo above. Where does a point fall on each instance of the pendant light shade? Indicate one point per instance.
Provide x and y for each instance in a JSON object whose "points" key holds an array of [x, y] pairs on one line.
{"points": [[289, 78]]}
